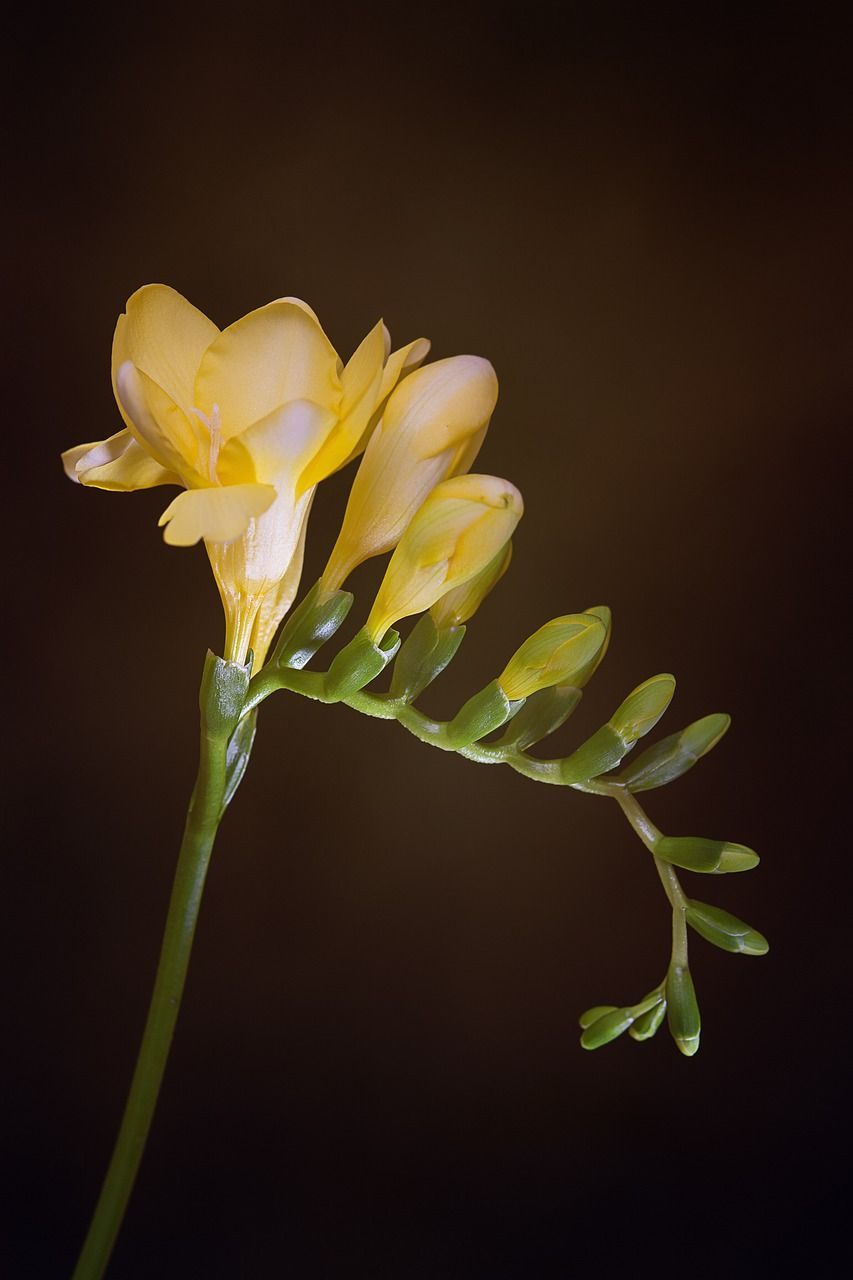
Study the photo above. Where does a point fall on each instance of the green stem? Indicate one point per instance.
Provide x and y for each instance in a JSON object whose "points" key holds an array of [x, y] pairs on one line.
{"points": [[203, 817]]}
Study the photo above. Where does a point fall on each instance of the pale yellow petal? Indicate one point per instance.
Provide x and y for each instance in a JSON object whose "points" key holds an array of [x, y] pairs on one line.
{"points": [[432, 427], [160, 425], [401, 362], [360, 383], [273, 355], [277, 601], [165, 337], [119, 463], [218, 514], [463, 525], [398, 364], [280, 445]]}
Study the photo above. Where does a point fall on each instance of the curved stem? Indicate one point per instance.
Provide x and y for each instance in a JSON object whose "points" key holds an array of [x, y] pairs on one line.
{"points": [[203, 817]]}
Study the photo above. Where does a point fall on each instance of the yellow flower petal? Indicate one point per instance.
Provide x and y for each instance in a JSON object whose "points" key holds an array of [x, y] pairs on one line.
{"points": [[360, 383], [275, 354], [160, 426], [119, 463], [277, 601], [462, 526], [165, 337], [432, 427], [401, 362], [280, 445], [218, 514], [397, 365]]}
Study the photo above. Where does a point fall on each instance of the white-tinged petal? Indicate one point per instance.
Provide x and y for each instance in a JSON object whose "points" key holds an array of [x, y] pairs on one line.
{"points": [[277, 601], [159, 424], [119, 463], [269, 357], [218, 514]]}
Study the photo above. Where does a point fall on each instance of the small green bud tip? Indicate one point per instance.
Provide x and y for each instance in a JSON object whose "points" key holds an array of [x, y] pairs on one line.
{"points": [[606, 1028], [597, 1011], [689, 1045]]}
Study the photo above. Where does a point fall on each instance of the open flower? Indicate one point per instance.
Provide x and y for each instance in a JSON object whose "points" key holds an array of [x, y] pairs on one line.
{"points": [[248, 421]]}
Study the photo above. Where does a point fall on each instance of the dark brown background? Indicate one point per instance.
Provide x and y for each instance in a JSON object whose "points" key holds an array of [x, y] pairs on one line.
{"points": [[645, 226]]}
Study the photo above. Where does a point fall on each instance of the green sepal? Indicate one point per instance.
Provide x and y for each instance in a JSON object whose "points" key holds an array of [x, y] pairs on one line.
{"points": [[237, 754], [725, 930], [607, 1028], [685, 1024], [486, 711], [638, 714], [541, 715], [424, 654], [711, 857], [222, 693], [647, 1023], [592, 1015], [673, 756], [309, 626], [359, 662]]}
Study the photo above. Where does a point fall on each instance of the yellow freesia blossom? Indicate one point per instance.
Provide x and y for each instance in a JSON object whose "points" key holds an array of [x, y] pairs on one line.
{"points": [[461, 527], [432, 429], [248, 421]]}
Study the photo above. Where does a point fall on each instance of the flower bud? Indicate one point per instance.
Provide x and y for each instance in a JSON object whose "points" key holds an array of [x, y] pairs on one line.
{"points": [[553, 655], [432, 428], [713, 857], [725, 930], [682, 1009], [462, 603], [460, 528]]}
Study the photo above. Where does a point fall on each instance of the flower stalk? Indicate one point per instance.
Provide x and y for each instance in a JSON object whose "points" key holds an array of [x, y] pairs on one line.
{"points": [[222, 692]]}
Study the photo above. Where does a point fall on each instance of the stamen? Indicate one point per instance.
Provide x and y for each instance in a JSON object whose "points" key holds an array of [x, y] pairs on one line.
{"points": [[214, 429]]}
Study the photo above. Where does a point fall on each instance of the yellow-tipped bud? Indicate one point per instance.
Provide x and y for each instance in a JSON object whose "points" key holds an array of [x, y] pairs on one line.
{"points": [[557, 653], [464, 523], [432, 428], [460, 604]]}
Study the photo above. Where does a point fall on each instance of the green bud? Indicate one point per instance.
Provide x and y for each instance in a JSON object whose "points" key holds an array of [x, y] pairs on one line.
{"points": [[542, 714], [425, 653], [685, 1023], [223, 690], [309, 626], [554, 654], [642, 709], [639, 713], [647, 1023], [487, 710], [359, 662], [673, 756], [607, 1028], [598, 754], [597, 1011], [725, 930], [715, 857]]}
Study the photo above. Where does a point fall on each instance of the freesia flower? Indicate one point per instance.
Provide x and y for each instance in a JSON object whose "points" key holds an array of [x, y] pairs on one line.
{"points": [[247, 421], [462, 526], [432, 429]]}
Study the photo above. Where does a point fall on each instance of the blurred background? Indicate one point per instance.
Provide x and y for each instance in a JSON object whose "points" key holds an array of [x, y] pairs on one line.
{"points": [[644, 224]]}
